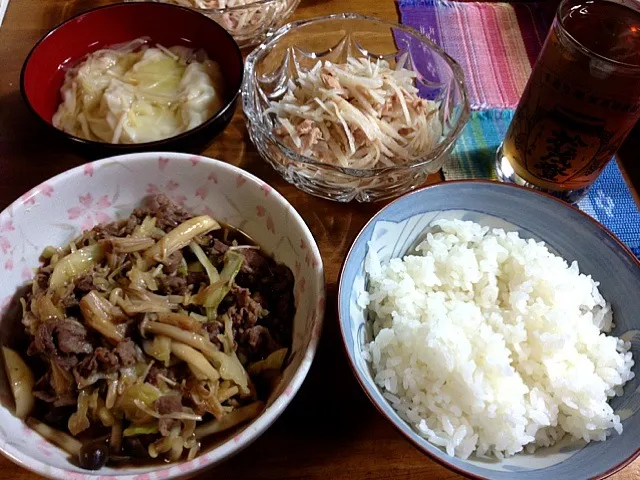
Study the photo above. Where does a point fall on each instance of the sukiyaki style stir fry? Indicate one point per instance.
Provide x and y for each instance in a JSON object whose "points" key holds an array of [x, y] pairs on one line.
{"points": [[149, 334]]}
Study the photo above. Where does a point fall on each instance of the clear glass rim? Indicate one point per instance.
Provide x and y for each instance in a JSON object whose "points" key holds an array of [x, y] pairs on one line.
{"points": [[559, 18], [249, 85], [239, 8]]}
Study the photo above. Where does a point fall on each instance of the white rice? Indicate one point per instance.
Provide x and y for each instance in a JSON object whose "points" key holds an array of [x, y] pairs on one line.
{"points": [[485, 342]]}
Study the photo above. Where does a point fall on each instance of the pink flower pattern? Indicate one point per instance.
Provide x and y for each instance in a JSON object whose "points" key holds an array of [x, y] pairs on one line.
{"points": [[92, 212], [208, 211], [93, 207], [5, 244], [202, 192], [162, 163], [240, 180], [7, 226], [27, 273], [163, 473], [45, 189], [167, 188], [43, 446], [270, 225]]}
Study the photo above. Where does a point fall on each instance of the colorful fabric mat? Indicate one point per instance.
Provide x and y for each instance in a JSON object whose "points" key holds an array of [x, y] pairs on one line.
{"points": [[495, 43], [609, 201]]}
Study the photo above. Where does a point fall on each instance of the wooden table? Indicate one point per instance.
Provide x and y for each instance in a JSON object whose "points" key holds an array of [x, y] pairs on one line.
{"points": [[330, 430]]}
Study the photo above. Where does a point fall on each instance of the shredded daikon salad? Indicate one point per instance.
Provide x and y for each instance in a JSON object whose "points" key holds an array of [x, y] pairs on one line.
{"points": [[362, 114], [136, 93], [243, 21]]}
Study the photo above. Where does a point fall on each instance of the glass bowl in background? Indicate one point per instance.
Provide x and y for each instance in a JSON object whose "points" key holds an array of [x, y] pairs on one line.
{"points": [[248, 21], [298, 46]]}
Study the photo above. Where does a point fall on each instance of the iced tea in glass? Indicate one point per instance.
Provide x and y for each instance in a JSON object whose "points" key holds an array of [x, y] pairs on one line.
{"points": [[581, 101]]}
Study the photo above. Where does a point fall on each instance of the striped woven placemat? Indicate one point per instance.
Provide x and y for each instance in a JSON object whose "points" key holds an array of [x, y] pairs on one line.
{"points": [[496, 44], [609, 200]]}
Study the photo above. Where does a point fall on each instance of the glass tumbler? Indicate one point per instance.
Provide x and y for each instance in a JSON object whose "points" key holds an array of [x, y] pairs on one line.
{"points": [[581, 101]]}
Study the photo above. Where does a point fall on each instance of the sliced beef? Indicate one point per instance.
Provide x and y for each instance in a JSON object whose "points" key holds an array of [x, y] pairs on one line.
{"points": [[119, 228], [245, 311], [72, 337], [259, 341], [256, 269], [108, 359], [173, 262], [172, 285], [254, 261], [155, 370], [168, 404], [57, 400], [168, 215], [43, 342], [165, 425], [214, 329], [66, 362], [55, 338], [44, 391], [65, 400], [84, 283], [86, 368], [70, 300], [196, 279], [218, 247], [127, 352]]}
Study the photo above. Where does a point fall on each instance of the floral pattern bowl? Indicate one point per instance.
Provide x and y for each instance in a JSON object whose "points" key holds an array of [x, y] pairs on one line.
{"points": [[58, 210]]}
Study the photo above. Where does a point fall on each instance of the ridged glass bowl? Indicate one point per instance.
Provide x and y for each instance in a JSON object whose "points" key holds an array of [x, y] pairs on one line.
{"points": [[248, 21], [298, 46]]}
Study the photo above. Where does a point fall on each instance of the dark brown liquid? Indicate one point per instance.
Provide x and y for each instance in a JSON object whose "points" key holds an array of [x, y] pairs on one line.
{"points": [[578, 107], [607, 29]]}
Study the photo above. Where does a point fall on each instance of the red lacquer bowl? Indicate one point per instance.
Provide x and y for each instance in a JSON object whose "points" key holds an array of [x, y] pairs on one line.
{"points": [[44, 69]]}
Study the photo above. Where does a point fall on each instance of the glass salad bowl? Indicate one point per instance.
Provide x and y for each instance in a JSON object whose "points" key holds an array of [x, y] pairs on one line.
{"points": [[248, 21], [297, 47]]}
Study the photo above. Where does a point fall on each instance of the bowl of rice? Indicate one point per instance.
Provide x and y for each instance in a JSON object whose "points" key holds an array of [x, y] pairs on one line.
{"points": [[497, 329], [348, 107]]}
